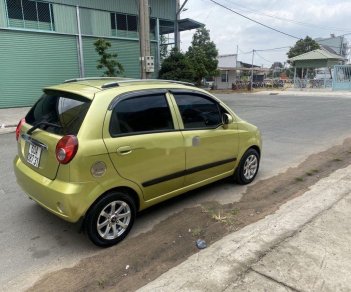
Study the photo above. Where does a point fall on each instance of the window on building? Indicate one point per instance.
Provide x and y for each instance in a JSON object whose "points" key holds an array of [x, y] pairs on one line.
{"points": [[30, 14], [224, 77], [166, 26], [152, 25], [121, 24], [132, 23]]}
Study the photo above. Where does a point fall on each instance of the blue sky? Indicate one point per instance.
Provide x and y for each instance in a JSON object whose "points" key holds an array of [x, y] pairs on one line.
{"points": [[316, 18]]}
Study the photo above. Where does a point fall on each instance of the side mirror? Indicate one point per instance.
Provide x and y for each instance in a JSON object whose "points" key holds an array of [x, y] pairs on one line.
{"points": [[227, 119]]}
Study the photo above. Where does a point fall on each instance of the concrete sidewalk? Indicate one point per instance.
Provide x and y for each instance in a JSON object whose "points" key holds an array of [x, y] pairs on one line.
{"points": [[304, 246], [306, 92], [9, 118]]}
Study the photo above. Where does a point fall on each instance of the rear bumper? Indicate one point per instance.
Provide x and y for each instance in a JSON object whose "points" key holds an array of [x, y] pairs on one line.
{"points": [[67, 200]]}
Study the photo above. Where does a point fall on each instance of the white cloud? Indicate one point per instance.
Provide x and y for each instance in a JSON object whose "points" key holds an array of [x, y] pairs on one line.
{"points": [[228, 30]]}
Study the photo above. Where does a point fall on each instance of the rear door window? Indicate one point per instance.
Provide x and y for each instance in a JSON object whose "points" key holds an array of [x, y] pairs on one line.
{"points": [[66, 111], [141, 114]]}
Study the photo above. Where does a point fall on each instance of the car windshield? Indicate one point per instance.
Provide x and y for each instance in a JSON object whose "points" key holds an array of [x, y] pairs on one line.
{"points": [[59, 113]]}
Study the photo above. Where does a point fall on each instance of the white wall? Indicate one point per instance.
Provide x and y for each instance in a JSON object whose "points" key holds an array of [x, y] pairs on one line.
{"points": [[225, 85]]}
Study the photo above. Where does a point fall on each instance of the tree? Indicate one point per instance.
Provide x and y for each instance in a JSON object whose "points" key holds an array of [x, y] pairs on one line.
{"points": [[107, 60], [276, 69], [163, 48], [176, 67], [202, 55], [303, 46], [277, 65]]}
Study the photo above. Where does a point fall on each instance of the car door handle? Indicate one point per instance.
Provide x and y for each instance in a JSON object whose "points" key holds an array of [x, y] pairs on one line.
{"points": [[124, 150]]}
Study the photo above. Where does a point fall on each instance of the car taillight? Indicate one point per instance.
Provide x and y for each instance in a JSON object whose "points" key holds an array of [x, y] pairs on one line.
{"points": [[66, 149], [19, 126]]}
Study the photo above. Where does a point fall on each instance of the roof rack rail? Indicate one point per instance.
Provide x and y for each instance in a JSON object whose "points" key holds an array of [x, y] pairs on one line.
{"points": [[93, 78], [126, 80]]}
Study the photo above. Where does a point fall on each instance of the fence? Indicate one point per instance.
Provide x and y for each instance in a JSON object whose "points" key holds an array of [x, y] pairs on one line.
{"points": [[342, 77], [312, 83]]}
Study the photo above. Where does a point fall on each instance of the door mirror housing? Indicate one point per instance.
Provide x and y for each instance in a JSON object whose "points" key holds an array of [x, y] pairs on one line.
{"points": [[227, 119]]}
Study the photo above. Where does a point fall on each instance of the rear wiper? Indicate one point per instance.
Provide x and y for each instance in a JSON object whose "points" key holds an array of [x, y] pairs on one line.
{"points": [[37, 125]]}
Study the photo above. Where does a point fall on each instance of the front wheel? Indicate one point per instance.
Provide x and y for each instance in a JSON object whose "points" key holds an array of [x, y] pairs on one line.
{"points": [[248, 167], [110, 219]]}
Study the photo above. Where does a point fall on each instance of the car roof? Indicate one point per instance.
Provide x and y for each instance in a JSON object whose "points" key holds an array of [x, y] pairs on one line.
{"points": [[88, 87]]}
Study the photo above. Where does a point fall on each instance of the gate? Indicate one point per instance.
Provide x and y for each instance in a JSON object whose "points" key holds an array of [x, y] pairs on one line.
{"points": [[342, 77]]}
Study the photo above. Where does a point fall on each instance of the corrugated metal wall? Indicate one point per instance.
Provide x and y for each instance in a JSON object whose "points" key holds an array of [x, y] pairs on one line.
{"points": [[31, 61], [95, 22], [128, 56], [65, 19], [163, 9], [159, 8], [2, 14], [110, 5]]}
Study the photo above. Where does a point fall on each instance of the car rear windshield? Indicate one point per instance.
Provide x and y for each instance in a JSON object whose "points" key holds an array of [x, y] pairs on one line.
{"points": [[64, 111]]}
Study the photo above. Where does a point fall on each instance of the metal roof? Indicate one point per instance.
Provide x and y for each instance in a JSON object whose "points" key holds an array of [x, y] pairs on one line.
{"points": [[183, 24], [255, 68], [318, 54]]}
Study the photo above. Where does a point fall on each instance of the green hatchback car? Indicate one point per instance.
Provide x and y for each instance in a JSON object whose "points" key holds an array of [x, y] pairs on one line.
{"points": [[99, 150]]}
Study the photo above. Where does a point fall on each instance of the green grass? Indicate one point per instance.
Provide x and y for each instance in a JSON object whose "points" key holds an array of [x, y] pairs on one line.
{"points": [[196, 232]]}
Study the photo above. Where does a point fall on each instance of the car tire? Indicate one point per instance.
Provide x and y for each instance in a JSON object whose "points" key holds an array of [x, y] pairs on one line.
{"points": [[247, 169], [110, 219]]}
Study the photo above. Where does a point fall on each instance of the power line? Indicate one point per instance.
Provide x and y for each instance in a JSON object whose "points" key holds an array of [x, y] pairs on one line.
{"points": [[273, 49], [260, 23], [264, 50], [286, 19], [263, 58], [245, 53]]}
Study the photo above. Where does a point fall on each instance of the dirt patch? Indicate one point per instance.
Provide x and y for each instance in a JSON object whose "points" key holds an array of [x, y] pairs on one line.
{"points": [[139, 260], [245, 90]]}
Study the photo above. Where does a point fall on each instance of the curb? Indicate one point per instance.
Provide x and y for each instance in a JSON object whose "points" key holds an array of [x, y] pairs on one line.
{"points": [[223, 263], [6, 129], [3, 126]]}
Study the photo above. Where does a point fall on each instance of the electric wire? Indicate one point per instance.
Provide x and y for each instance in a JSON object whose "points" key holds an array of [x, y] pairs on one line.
{"points": [[260, 23], [286, 19], [264, 50], [260, 56], [273, 49]]}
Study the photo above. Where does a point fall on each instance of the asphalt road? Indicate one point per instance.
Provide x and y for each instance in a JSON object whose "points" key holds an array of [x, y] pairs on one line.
{"points": [[32, 241]]}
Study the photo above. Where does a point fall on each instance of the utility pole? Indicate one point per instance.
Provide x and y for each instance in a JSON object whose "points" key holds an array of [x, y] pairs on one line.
{"points": [[144, 36], [178, 10], [251, 82], [176, 27], [236, 61], [80, 46]]}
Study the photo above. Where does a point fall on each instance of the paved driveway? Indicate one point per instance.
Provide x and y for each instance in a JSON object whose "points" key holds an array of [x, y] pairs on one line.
{"points": [[33, 241]]}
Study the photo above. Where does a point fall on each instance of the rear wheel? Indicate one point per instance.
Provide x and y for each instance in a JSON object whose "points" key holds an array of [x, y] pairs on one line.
{"points": [[110, 219], [248, 167]]}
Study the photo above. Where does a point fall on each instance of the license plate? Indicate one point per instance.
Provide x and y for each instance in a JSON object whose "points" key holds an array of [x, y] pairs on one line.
{"points": [[34, 154]]}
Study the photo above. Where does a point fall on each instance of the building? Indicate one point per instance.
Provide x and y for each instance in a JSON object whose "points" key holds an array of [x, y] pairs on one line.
{"points": [[317, 64], [335, 45], [227, 65], [231, 71], [46, 42]]}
